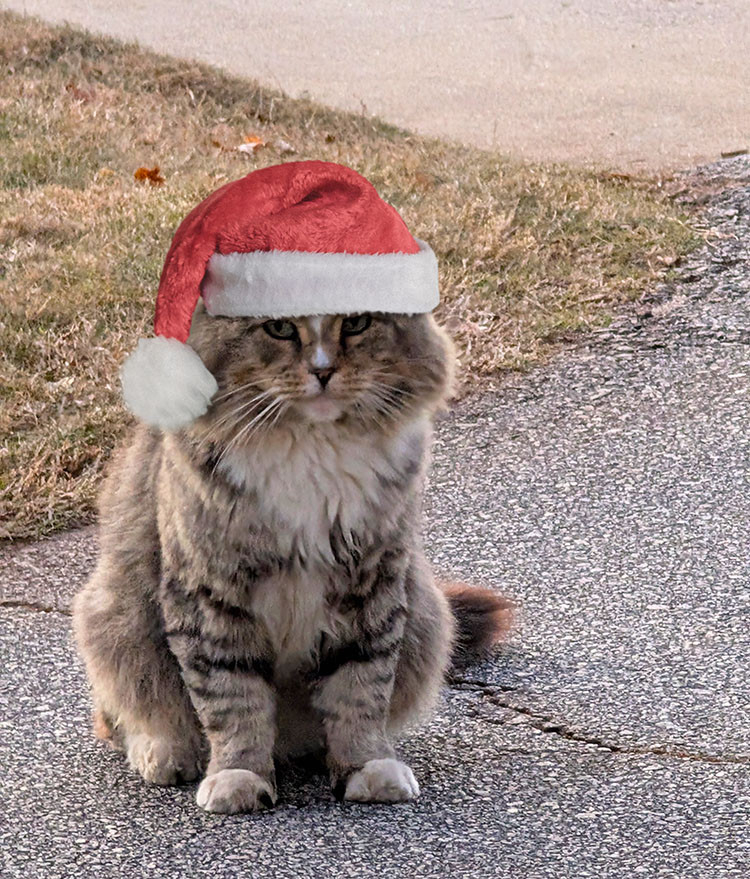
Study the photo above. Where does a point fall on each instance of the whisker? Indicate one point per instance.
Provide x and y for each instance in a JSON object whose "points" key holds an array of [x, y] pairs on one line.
{"points": [[393, 390], [371, 414], [386, 404], [279, 411], [277, 401], [263, 423], [245, 429], [234, 415], [232, 391]]}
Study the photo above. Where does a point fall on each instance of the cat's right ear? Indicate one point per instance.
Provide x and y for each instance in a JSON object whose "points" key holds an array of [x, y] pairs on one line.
{"points": [[166, 384]]}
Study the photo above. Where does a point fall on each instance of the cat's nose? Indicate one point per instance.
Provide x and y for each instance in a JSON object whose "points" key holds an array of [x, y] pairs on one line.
{"points": [[323, 375]]}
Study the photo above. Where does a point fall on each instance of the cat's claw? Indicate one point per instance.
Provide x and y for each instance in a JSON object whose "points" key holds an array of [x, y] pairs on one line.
{"points": [[382, 781], [235, 790]]}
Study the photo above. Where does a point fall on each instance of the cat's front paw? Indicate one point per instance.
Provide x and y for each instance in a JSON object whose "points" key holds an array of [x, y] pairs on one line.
{"points": [[235, 790], [382, 781], [163, 761]]}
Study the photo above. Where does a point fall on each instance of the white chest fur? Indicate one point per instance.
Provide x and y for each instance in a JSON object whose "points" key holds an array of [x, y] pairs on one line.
{"points": [[303, 482], [294, 609]]}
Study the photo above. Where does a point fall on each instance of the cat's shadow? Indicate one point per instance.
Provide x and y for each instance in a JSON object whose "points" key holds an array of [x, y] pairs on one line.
{"points": [[302, 780]]}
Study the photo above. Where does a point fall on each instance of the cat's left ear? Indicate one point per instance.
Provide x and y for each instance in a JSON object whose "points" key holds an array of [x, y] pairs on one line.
{"points": [[166, 384]]}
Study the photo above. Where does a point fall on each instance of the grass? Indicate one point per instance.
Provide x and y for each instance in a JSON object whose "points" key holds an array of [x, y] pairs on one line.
{"points": [[528, 254]]}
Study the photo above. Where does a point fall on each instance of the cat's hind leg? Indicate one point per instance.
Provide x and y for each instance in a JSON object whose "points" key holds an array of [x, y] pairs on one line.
{"points": [[449, 626], [140, 702], [426, 649]]}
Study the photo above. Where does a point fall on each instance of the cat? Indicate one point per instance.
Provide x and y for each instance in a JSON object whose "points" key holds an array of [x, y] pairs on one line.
{"points": [[261, 591]]}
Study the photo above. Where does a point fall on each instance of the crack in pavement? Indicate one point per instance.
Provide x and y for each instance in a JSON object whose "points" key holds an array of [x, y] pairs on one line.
{"points": [[546, 724], [35, 607], [698, 337], [491, 693], [647, 336]]}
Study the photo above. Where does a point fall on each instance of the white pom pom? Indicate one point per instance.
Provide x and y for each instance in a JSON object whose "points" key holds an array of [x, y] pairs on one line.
{"points": [[166, 384]]}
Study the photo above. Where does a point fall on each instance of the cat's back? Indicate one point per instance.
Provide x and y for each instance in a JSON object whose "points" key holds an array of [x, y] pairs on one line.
{"points": [[127, 511]]}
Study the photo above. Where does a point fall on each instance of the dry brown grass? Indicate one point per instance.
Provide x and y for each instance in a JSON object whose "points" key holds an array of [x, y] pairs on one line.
{"points": [[527, 253]]}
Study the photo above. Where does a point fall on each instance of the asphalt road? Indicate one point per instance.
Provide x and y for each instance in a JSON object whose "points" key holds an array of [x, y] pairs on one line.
{"points": [[635, 84], [607, 492]]}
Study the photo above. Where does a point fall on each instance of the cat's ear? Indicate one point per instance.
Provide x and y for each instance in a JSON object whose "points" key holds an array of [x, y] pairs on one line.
{"points": [[166, 384]]}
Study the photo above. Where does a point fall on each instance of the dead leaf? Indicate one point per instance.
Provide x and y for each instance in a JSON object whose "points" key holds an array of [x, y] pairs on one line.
{"points": [[251, 144], [424, 181], [223, 137], [152, 175], [84, 95]]}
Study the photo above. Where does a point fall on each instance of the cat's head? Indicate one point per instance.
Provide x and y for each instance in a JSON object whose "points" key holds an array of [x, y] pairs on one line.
{"points": [[372, 370]]}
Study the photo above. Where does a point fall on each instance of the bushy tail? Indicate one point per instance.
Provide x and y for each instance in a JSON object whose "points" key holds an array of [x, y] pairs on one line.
{"points": [[483, 618]]}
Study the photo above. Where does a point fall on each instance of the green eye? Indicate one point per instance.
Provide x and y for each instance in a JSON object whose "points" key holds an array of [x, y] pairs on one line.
{"points": [[353, 326], [280, 329]]}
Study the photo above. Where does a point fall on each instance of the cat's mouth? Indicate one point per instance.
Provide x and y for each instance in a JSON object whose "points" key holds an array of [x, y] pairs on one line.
{"points": [[321, 407]]}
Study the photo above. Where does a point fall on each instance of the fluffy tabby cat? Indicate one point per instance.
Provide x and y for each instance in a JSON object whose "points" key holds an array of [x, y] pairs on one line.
{"points": [[261, 590]]}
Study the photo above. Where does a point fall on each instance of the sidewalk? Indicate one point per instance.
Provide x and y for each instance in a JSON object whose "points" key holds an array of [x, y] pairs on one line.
{"points": [[608, 493], [635, 85]]}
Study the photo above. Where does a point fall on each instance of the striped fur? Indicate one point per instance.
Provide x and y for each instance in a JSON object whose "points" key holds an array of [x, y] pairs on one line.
{"points": [[261, 590]]}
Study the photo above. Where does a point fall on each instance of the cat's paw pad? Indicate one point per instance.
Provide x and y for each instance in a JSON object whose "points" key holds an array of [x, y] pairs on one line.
{"points": [[382, 781], [235, 790], [161, 760]]}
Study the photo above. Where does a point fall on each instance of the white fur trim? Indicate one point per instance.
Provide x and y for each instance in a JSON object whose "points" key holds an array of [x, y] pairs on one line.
{"points": [[280, 283], [166, 384]]}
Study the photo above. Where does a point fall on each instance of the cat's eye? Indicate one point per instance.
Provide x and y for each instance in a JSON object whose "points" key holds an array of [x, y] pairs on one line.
{"points": [[353, 326], [280, 329]]}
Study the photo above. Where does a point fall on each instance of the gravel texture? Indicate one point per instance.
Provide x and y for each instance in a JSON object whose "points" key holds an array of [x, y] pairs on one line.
{"points": [[499, 798], [607, 493], [47, 574]]}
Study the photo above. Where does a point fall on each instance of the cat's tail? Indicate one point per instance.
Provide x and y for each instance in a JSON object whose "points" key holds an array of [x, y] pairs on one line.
{"points": [[483, 619]]}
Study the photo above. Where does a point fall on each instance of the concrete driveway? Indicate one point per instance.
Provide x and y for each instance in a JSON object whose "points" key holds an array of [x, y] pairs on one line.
{"points": [[608, 492], [632, 84]]}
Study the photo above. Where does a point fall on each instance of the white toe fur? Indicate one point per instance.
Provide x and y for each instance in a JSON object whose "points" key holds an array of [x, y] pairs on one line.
{"points": [[234, 790], [382, 781], [162, 761]]}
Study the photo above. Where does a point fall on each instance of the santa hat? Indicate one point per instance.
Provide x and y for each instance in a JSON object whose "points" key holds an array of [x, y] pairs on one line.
{"points": [[290, 240]]}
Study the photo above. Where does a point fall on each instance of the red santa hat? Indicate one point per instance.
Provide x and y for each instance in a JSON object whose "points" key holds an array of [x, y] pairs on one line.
{"points": [[290, 240]]}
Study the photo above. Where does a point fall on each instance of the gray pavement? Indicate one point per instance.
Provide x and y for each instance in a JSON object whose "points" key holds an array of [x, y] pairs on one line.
{"points": [[608, 493], [634, 84]]}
